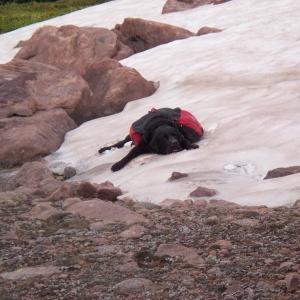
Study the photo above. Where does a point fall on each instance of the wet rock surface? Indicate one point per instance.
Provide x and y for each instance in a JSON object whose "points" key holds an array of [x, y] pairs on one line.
{"points": [[86, 248]]}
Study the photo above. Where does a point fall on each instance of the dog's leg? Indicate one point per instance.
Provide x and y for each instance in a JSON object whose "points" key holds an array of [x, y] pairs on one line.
{"points": [[141, 148], [186, 144], [117, 145]]}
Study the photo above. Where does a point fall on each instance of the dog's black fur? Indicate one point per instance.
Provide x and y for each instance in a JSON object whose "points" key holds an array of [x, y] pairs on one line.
{"points": [[162, 137]]}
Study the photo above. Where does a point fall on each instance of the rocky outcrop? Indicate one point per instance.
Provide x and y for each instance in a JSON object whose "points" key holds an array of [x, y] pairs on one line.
{"points": [[281, 172], [82, 46], [40, 103], [114, 85], [141, 35], [23, 139], [27, 87], [181, 5], [71, 48]]}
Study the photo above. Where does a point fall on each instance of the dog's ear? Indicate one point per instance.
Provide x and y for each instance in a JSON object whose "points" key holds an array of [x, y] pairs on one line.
{"points": [[148, 135], [153, 145]]}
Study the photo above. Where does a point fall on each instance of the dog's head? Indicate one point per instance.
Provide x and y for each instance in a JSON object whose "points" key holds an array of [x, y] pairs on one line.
{"points": [[165, 140]]}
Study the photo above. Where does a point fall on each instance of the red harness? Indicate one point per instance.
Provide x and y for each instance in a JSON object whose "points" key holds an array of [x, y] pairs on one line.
{"points": [[185, 119]]}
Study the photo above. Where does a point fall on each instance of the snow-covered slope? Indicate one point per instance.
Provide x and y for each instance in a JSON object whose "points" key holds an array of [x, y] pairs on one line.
{"points": [[242, 84]]}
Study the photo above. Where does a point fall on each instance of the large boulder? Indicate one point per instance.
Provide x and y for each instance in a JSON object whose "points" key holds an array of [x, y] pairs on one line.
{"points": [[181, 5], [70, 47], [31, 174], [39, 103], [23, 139], [27, 87], [141, 35], [114, 85]]}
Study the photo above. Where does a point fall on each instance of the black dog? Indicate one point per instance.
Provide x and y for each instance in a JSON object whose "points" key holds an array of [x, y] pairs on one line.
{"points": [[161, 131]]}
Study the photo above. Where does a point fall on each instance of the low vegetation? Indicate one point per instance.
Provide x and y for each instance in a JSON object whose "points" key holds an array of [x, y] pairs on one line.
{"points": [[16, 14]]}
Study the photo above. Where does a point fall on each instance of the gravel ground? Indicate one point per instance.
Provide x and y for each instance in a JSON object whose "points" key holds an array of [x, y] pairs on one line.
{"points": [[199, 250]]}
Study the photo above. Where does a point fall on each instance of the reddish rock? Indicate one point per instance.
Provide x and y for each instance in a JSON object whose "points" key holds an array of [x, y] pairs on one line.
{"points": [[269, 261], [70, 201], [86, 190], [31, 174], [21, 195], [181, 5], [202, 192], [130, 267], [297, 203], [177, 175], [27, 87], [281, 172], [106, 212], [207, 30], [141, 35], [200, 202], [79, 45], [30, 272], [134, 285], [189, 255], [108, 192], [9, 235], [188, 202], [65, 191], [50, 185], [43, 211], [292, 282], [114, 85], [135, 231], [220, 1], [194, 260], [24, 139], [28, 194]]}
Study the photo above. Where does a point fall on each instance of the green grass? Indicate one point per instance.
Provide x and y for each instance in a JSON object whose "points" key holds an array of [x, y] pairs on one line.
{"points": [[14, 16]]}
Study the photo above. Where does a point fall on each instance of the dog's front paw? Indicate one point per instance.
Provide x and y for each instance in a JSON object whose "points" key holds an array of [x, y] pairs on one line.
{"points": [[193, 146], [117, 166], [101, 150]]}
